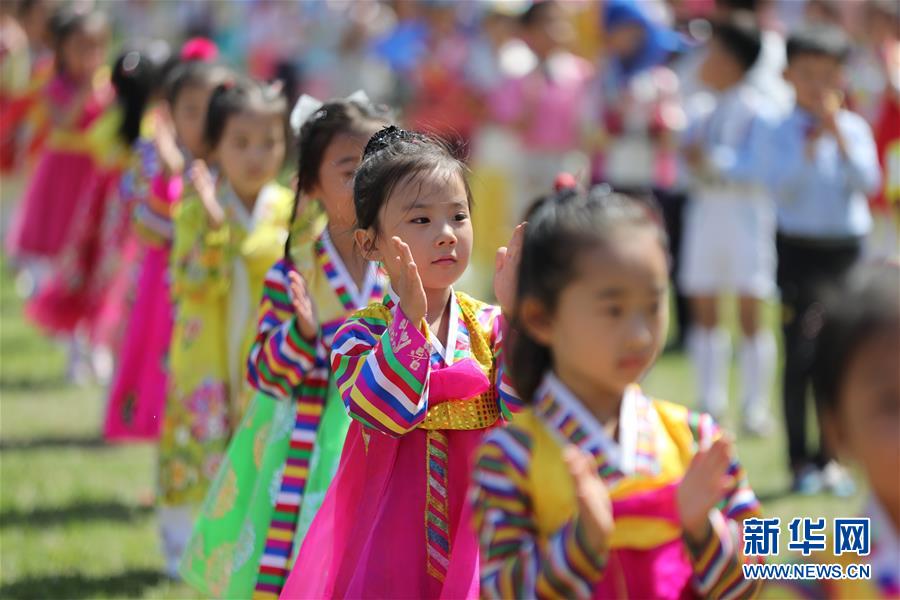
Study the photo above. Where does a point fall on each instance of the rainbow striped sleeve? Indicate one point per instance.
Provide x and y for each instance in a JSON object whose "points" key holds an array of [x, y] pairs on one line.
{"points": [[718, 562], [153, 213], [381, 370], [514, 564], [509, 398], [280, 357]]}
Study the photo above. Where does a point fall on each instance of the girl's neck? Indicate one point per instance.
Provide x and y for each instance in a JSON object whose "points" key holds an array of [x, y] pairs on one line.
{"points": [[437, 313], [602, 402], [436, 301], [345, 246], [247, 198]]}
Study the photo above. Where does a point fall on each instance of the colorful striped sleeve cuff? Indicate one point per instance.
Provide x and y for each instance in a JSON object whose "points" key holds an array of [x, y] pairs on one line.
{"points": [[514, 562], [509, 398], [569, 569], [382, 372], [717, 562], [281, 357]]}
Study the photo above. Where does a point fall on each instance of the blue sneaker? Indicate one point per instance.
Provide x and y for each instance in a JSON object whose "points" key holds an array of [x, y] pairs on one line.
{"points": [[808, 481], [837, 480]]}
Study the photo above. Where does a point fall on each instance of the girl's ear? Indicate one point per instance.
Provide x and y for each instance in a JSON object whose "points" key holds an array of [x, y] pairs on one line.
{"points": [[536, 320], [365, 241]]}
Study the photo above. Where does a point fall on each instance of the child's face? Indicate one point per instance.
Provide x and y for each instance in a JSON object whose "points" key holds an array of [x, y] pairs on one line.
{"points": [[83, 53], [430, 213], [865, 426], [550, 32], [335, 183], [719, 70], [189, 117], [251, 151], [815, 79], [610, 322]]}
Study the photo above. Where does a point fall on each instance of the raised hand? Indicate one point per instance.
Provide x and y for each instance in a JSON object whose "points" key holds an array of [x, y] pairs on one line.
{"points": [[506, 270], [595, 513], [164, 141], [401, 268], [704, 484], [304, 308], [206, 190]]}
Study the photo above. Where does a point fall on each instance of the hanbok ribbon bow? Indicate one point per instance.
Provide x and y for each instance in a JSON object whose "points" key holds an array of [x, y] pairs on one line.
{"points": [[463, 380], [307, 107]]}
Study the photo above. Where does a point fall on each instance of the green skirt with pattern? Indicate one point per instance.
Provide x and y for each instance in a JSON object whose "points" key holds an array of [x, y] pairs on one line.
{"points": [[222, 558]]}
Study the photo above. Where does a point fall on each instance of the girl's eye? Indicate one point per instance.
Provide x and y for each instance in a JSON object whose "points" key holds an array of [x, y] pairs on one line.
{"points": [[654, 308], [613, 311], [420, 221], [461, 216]]}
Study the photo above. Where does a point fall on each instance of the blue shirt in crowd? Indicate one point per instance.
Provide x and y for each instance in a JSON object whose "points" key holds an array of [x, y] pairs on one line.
{"points": [[823, 196]]}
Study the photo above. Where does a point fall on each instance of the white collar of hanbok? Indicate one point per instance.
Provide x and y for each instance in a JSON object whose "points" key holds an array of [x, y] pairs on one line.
{"points": [[359, 297], [452, 329], [572, 423], [248, 220]]}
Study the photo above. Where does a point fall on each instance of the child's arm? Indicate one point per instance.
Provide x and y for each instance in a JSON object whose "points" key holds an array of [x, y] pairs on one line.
{"points": [[505, 283], [857, 148], [286, 342], [381, 370], [506, 393], [713, 500], [153, 213], [750, 161], [199, 260], [154, 195], [514, 564]]}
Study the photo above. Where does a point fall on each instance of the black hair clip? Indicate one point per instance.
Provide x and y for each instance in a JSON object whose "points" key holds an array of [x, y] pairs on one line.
{"points": [[387, 137]]}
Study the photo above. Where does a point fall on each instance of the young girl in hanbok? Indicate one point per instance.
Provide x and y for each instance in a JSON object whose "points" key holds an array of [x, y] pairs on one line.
{"points": [[227, 234], [87, 293], [422, 374], [285, 451], [596, 490], [152, 186], [74, 98], [26, 65]]}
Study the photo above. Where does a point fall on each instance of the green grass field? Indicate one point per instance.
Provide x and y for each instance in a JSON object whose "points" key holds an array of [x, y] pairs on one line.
{"points": [[77, 516]]}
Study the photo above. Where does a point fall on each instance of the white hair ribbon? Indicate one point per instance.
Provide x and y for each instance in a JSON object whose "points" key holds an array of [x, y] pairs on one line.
{"points": [[307, 106]]}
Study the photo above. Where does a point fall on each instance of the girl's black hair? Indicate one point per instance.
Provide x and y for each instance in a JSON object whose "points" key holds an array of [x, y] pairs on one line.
{"points": [[65, 22], [137, 77], [394, 156], [868, 303], [191, 74], [536, 12], [237, 96], [740, 37], [335, 117], [561, 227]]}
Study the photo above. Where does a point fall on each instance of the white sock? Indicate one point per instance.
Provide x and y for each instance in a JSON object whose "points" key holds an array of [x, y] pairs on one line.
{"points": [[175, 526], [757, 360], [711, 352]]}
